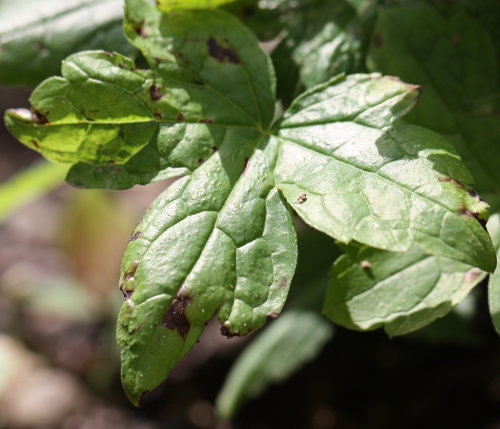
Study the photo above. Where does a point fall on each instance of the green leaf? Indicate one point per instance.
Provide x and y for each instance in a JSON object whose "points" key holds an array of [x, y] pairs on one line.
{"points": [[168, 5], [455, 62], [349, 172], [286, 345], [41, 34], [292, 340], [401, 292], [218, 239], [323, 39], [494, 281], [120, 126], [31, 183]]}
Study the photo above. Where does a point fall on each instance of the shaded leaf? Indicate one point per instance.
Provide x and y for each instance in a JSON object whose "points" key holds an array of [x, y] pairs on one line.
{"points": [[286, 345], [41, 34], [350, 173], [455, 62], [401, 292]]}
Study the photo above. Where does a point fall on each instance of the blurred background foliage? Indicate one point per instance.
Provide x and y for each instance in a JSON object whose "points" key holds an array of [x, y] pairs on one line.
{"points": [[61, 250]]}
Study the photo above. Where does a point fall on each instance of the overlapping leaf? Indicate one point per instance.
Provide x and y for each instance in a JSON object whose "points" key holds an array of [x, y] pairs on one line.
{"points": [[455, 62], [351, 174], [35, 36], [402, 292], [222, 237]]}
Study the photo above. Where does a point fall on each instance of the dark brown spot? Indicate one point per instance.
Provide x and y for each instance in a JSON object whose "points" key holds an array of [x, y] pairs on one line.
{"points": [[206, 121], [221, 53], [175, 317], [111, 162], [272, 316], [139, 29], [200, 160], [180, 117], [245, 166], [475, 215], [455, 39], [155, 93], [39, 47], [457, 183], [131, 271], [224, 330], [35, 143], [135, 236], [377, 40], [301, 199], [38, 117], [475, 195], [472, 275], [127, 292], [366, 265], [214, 148], [107, 53], [158, 115], [283, 283]]}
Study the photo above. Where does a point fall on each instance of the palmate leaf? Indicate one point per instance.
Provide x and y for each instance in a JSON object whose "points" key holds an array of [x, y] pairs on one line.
{"points": [[222, 238]]}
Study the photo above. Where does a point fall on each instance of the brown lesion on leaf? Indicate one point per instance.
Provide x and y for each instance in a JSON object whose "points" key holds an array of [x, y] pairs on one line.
{"points": [[226, 332], [35, 143], [155, 93], [455, 182], [273, 315], [140, 30], [472, 214], [221, 53], [131, 271], [366, 265], [158, 115], [472, 275], [135, 236], [301, 199], [475, 195], [175, 318], [455, 39], [206, 121], [283, 282], [200, 160], [180, 117], [38, 117]]}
